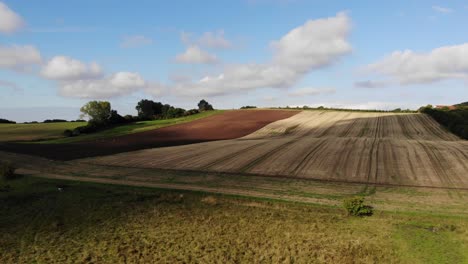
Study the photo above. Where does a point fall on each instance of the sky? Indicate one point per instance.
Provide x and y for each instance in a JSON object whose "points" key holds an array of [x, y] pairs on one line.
{"points": [[57, 55]]}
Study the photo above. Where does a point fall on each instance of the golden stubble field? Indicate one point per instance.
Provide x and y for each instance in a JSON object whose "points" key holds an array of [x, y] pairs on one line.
{"points": [[375, 148]]}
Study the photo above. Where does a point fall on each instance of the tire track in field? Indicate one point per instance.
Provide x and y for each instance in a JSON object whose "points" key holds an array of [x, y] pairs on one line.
{"points": [[344, 157], [349, 128], [436, 164], [232, 155], [374, 159], [265, 156], [404, 128], [302, 164], [436, 129]]}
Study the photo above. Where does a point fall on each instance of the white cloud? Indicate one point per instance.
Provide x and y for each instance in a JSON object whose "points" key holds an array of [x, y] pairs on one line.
{"points": [[9, 20], [409, 67], [310, 91], [370, 84], [135, 41], [315, 44], [213, 40], [194, 55], [118, 84], [16, 57], [441, 9], [66, 68]]}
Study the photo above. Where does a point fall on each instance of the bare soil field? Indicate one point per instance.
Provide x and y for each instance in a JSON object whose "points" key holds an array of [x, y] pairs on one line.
{"points": [[228, 125], [373, 148]]}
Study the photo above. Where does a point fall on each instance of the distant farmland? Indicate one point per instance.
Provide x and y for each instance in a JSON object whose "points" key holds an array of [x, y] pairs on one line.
{"points": [[375, 148], [35, 131]]}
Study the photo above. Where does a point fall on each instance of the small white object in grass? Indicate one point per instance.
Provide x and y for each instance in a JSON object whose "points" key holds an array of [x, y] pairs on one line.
{"points": [[60, 189]]}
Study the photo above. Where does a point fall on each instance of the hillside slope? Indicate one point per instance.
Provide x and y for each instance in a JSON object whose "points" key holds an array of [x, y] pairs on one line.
{"points": [[374, 148], [227, 125]]}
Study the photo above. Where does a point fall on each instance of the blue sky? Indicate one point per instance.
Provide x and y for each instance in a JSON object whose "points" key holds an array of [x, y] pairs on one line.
{"points": [[360, 54]]}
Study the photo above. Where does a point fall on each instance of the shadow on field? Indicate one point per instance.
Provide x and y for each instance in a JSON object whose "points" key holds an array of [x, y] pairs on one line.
{"points": [[228, 125]]}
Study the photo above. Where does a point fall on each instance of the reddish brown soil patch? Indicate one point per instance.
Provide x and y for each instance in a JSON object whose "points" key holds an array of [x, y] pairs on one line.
{"points": [[228, 125]]}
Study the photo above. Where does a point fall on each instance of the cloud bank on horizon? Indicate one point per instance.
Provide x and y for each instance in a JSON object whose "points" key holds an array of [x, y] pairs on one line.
{"points": [[207, 66]]}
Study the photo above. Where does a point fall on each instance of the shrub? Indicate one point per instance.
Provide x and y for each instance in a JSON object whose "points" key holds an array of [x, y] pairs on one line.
{"points": [[355, 206], [191, 112], [248, 107], [7, 171], [68, 133], [54, 121]]}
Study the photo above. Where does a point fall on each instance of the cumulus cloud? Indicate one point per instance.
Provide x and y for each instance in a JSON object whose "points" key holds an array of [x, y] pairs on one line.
{"points": [[135, 41], [118, 84], [315, 44], [66, 68], [310, 91], [9, 20], [440, 9], [80, 80], [409, 67], [194, 55], [17, 57], [213, 40]]}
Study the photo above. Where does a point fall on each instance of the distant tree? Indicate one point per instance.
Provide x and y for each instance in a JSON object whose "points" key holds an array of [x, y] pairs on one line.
{"points": [[204, 106], [148, 109], [5, 121], [175, 112], [54, 121], [115, 118], [98, 112]]}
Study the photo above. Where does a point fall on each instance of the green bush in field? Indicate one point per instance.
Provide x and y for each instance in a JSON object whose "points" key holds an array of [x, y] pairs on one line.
{"points": [[7, 171], [355, 206]]}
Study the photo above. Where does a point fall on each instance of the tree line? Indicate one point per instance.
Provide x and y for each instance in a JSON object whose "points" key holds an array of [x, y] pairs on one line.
{"points": [[101, 116], [455, 120]]}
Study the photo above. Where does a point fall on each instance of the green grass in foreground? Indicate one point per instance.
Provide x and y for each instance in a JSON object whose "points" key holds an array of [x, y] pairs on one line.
{"points": [[133, 128], [31, 132], [114, 224]]}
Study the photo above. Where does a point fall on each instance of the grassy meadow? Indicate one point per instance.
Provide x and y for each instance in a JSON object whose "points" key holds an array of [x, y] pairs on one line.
{"points": [[95, 223], [32, 132]]}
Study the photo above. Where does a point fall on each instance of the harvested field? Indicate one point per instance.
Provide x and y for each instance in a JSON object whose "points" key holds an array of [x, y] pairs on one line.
{"points": [[228, 125], [374, 148]]}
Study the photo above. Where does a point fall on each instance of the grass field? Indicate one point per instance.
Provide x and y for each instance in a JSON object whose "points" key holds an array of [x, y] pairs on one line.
{"points": [[98, 223], [32, 132], [133, 128]]}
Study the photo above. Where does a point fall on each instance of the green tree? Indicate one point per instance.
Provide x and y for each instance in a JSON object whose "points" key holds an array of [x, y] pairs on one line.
{"points": [[97, 112], [148, 109], [204, 106]]}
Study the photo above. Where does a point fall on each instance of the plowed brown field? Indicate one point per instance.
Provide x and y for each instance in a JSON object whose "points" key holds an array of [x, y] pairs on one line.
{"points": [[374, 148], [228, 125]]}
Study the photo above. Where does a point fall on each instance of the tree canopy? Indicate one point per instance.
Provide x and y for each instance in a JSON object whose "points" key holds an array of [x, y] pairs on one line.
{"points": [[97, 111], [204, 106]]}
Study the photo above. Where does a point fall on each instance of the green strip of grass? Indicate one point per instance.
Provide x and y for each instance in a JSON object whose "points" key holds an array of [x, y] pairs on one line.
{"points": [[132, 128], [39, 131]]}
